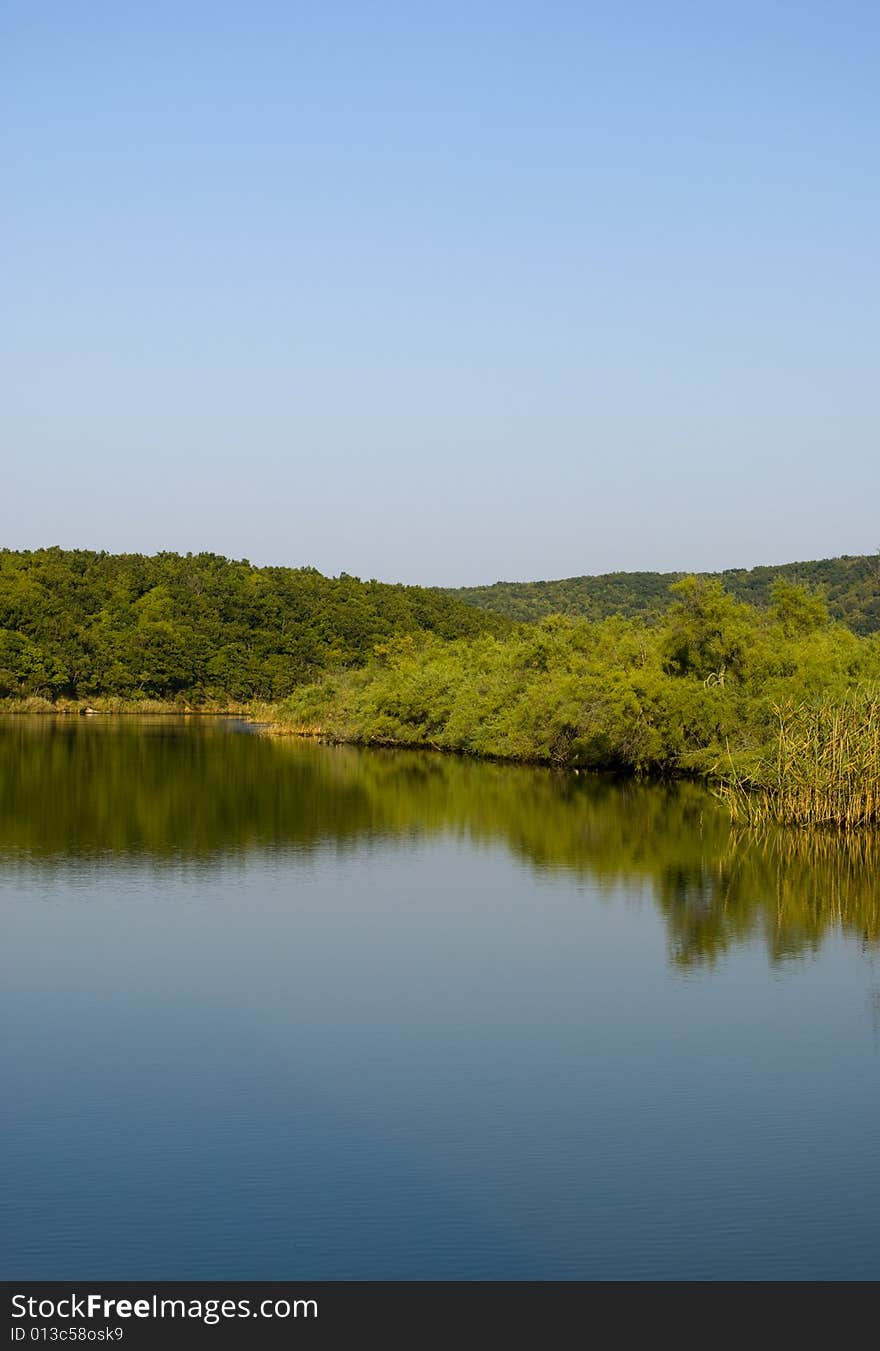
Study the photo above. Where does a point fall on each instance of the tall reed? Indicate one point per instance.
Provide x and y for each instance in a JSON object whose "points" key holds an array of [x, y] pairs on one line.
{"points": [[824, 770]]}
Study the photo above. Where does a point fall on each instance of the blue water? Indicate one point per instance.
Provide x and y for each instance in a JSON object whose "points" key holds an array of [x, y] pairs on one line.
{"points": [[408, 1049]]}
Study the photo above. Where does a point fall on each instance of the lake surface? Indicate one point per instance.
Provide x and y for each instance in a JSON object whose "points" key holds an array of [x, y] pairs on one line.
{"points": [[279, 1010]]}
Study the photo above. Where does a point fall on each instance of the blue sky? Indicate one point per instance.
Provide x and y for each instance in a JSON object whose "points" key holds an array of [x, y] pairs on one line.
{"points": [[442, 293]]}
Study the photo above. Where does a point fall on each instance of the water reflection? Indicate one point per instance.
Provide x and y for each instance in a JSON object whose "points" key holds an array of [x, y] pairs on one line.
{"points": [[172, 790]]}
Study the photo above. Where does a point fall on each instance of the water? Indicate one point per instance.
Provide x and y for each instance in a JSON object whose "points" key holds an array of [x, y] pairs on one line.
{"points": [[285, 1011]]}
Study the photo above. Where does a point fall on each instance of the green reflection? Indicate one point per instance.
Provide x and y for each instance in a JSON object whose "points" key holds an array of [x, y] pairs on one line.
{"points": [[172, 790]]}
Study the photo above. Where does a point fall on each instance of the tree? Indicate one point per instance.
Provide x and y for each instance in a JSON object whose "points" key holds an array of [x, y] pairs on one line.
{"points": [[706, 631], [798, 609]]}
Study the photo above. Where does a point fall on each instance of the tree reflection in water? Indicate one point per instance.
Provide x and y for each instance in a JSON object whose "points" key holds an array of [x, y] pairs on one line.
{"points": [[177, 791]]}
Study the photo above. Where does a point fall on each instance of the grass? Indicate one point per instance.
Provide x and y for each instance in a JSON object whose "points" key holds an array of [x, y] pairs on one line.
{"points": [[825, 771]]}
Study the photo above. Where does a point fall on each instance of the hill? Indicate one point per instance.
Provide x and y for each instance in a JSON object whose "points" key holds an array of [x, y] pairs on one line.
{"points": [[80, 624], [850, 584]]}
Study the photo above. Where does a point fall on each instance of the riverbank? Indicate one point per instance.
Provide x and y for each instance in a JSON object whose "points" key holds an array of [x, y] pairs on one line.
{"points": [[111, 705], [822, 772]]}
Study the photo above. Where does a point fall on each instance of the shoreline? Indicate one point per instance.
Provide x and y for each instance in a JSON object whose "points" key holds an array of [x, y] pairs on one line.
{"points": [[276, 730], [263, 718], [751, 800], [121, 708]]}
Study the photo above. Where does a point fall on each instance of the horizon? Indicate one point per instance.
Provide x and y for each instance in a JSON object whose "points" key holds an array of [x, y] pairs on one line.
{"points": [[396, 581]]}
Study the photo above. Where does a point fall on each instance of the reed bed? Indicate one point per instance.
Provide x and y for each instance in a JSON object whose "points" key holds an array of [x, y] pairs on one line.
{"points": [[825, 771]]}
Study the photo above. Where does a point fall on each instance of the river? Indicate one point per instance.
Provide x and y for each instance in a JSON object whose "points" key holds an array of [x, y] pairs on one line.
{"points": [[282, 1010]]}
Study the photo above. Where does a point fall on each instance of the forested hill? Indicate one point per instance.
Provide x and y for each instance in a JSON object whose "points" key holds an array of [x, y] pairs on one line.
{"points": [[79, 624], [851, 586]]}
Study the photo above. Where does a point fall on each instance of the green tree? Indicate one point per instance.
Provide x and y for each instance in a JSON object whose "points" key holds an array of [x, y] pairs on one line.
{"points": [[705, 630], [797, 608]]}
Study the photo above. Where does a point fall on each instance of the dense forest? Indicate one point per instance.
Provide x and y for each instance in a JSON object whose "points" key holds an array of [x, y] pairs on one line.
{"points": [[851, 586], [203, 630], [200, 628]]}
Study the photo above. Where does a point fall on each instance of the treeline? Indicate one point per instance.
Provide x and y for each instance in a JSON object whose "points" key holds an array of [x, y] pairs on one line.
{"points": [[698, 688], [851, 586], [197, 628]]}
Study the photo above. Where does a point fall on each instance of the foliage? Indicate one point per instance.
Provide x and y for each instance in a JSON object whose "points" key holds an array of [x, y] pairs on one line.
{"points": [[696, 689], [200, 628], [850, 585], [678, 695]]}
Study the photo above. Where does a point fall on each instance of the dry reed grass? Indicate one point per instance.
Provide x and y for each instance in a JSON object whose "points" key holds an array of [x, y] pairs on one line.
{"points": [[825, 771]]}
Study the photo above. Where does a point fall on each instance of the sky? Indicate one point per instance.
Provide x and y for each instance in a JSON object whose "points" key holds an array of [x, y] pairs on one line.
{"points": [[441, 293]]}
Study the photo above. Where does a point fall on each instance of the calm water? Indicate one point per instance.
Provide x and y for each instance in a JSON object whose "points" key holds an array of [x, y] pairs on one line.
{"points": [[279, 1010]]}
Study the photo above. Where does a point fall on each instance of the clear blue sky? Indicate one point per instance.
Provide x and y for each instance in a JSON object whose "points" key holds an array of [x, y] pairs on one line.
{"points": [[442, 292]]}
